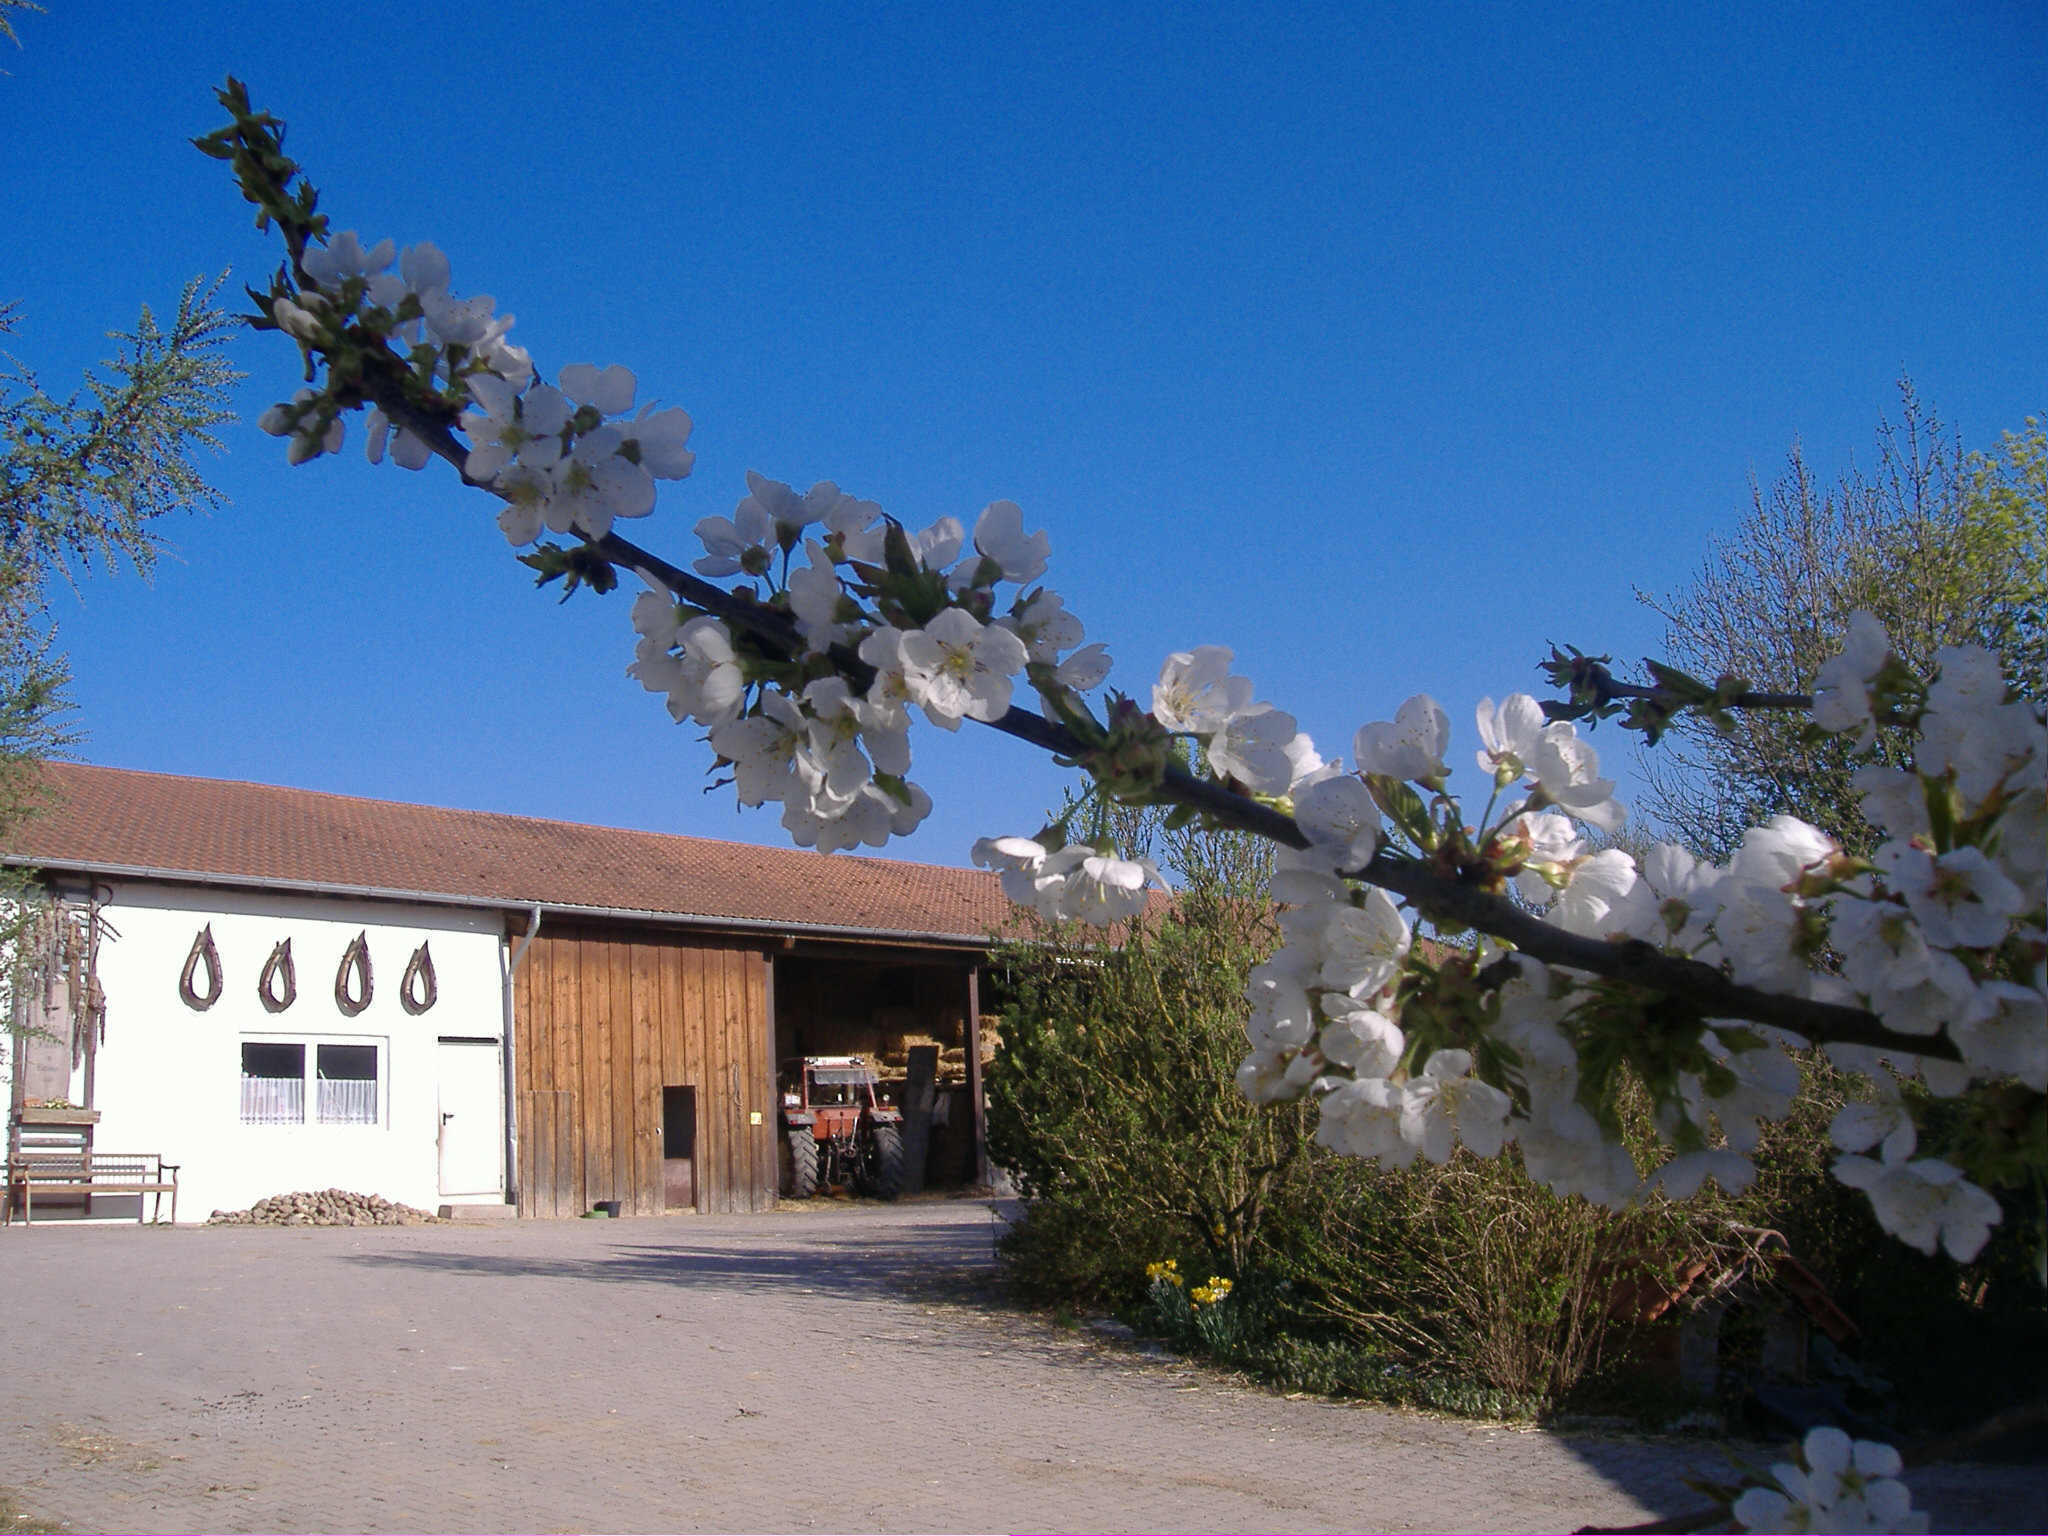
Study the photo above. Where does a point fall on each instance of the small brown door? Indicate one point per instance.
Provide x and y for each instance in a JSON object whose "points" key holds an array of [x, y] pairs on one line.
{"points": [[679, 1148]]}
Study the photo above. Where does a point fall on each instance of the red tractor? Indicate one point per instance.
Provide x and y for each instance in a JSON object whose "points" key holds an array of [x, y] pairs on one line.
{"points": [[838, 1129]]}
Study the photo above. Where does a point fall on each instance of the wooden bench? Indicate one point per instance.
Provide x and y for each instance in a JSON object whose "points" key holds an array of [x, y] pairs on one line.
{"points": [[89, 1173]]}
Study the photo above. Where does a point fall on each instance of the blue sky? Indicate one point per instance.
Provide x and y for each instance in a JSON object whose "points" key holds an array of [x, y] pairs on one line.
{"points": [[1383, 343]]}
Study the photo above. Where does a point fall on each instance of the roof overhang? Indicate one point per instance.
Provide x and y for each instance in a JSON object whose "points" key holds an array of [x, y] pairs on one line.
{"points": [[701, 922]]}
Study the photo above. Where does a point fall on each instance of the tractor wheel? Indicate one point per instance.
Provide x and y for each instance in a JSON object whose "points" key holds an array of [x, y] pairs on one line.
{"points": [[882, 1165], [803, 1163]]}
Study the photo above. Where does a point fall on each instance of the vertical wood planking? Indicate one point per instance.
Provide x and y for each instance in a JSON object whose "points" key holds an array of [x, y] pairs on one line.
{"points": [[736, 1078], [673, 1068], [565, 1051], [605, 1020], [521, 1043], [526, 1165], [547, 1153], [710, 1130], [534, 1164], [625, 1112], [684, 1065], [646, 987], [665, 1039], [740, 965], [719, 1059], [594, 995], [761, 1031]]}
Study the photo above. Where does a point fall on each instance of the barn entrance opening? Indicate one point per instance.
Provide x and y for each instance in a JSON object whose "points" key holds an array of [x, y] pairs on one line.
{"points": [[679, 1147]]}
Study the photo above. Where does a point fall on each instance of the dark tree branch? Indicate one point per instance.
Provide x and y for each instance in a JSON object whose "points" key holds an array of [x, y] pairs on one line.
{"points": [[1608, 689], [1699, 987]]}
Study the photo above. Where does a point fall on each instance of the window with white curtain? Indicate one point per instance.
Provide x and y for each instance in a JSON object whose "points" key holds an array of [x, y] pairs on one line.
{"points": [[311, 1081]]}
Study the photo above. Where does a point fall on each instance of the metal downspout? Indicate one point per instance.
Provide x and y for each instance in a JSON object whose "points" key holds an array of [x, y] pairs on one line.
{"points": [[511, 1074]]}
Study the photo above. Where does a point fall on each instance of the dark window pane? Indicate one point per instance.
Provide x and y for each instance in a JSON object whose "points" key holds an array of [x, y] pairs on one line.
{"points": [[348, 1063], [265, 1060]]}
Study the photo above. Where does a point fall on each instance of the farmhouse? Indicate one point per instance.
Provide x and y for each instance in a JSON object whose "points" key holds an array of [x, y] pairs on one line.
{"points": [[276, 990]]}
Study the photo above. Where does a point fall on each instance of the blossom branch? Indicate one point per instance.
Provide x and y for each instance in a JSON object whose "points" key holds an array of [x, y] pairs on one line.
{"points": [[1593, 692], [1703, 989]]}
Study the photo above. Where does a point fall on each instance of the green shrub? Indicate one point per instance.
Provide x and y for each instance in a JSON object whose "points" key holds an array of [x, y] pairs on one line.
{"points": [[1467, 1286], [1113, 1102]]}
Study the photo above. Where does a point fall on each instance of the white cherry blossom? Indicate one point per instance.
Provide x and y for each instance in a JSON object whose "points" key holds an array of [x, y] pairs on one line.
{"points": [[1859, 1127], [1567, 768], [1340, 818], [661, 439], [1924, 1202], [1841, 692], [999, 536], [762, 748], [1360, 1038], [343, 257], [1016, 860], [1837, 1485], [818, 602], [958, 668], [2004, 1033], [1196, 692], [506, 426], [1043, 622], [1098, 888], [1361, 948], [1254, 749], [1410, 746], [1446, 1105], [1510, 733], [1085, 669], [1961, 899], [1363, 1118], [608, 390], [707, 685], [1603, 897]]}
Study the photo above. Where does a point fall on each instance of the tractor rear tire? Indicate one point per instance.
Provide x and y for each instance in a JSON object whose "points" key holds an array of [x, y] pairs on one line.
{"points": [[803, 1163], [882, 1167]]}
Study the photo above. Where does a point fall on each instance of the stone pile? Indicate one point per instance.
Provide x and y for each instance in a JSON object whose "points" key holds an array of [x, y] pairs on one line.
{"points": [[324, 1208]]}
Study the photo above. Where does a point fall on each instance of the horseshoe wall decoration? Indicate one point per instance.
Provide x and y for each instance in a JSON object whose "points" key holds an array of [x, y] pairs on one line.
{"points": [[278, 968], [352, 1000], [203, 953], [419, 972]]}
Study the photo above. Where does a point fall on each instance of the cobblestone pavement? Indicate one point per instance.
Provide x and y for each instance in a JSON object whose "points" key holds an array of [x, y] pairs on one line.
{"points": [[807, 1370]]}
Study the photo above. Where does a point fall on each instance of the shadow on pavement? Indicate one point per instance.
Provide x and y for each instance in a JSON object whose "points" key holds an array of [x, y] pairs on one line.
{"points": [[904, 1259]]}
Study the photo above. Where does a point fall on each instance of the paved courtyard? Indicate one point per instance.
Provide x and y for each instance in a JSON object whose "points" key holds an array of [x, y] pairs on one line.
{"points": [[810, 1370]]}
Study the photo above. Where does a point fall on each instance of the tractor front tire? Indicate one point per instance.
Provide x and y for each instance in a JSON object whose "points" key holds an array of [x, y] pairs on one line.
{"points": [[882, 1167], [803, 1163]]}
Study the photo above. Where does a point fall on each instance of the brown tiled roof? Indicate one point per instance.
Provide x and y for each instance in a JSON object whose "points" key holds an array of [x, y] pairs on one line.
{"points": [[118, 821]]}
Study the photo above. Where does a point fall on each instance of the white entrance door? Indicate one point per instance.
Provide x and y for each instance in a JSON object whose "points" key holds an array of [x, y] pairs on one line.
{"points": [[472, 1120]]}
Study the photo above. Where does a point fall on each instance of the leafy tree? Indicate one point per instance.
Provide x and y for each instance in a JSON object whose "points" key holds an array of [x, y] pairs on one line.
{"points": [[84, 479], [1943, 547]]}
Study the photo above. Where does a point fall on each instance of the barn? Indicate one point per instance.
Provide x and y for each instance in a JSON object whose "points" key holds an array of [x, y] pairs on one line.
{"points": [[274, 989]]}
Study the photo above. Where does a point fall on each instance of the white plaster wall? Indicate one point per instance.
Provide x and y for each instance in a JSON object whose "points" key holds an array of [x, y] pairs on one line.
{"points": [[169, 1077]]}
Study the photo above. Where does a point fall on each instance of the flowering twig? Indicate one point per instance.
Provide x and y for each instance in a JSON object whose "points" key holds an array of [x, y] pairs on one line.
{"points": [[1594, 693], [1700, 988]]}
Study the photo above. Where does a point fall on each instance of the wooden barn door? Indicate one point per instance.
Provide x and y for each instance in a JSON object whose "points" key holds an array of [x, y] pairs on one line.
{"points": [[615, 1022]]}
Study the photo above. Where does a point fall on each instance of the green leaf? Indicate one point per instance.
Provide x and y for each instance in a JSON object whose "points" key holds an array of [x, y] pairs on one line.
{"points": [[575, 567]]}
